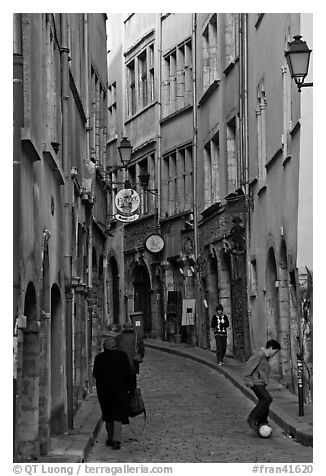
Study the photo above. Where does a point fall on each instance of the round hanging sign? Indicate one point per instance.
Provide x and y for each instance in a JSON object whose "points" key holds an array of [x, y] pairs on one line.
{"points": [[127, 202], [154, 243]]}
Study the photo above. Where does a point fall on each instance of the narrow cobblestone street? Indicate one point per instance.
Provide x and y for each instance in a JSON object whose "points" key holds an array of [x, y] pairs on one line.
{"points": [[194, 415]]}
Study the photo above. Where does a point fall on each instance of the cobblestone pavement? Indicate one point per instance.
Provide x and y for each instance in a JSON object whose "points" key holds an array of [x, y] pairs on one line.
{"points": [[194, 415]]}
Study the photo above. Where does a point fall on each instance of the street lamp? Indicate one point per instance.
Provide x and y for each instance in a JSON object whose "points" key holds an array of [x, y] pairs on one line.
{"points": [[125, 149], [298, 56]]}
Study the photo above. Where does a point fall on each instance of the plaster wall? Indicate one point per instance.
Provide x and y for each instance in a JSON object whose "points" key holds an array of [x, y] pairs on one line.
{"points": [[274, 216], [177, 131], [176, 27], [305, 218]]}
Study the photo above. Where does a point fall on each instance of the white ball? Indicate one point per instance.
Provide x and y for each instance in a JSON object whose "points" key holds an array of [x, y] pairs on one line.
{"points": [[265, 431]]}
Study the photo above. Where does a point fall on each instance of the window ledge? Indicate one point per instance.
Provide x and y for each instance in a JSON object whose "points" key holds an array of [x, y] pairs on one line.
{"points": [[49, 155], [141, 111], [29, 143], [112, 139], [229, 67], [211, 88], [259, 19], [287, 160], [262, 189], [295, 128], [273, 159], [253, 182], [176, 113]]}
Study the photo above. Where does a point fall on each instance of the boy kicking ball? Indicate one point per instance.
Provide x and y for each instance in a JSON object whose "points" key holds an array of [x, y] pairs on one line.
{"points": [[256, 377]]}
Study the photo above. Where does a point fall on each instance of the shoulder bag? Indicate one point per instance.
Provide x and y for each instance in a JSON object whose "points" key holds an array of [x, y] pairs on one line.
{"points": [[136, 404]]}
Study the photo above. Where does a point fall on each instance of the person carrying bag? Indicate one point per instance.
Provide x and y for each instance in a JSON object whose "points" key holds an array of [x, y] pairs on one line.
{"points": [[132, 343]]}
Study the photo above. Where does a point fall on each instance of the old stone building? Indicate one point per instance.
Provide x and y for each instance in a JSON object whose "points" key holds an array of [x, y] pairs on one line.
{"points": [[280, 184], [60, 127], [221, 163], [178, 135], [215, 120]]}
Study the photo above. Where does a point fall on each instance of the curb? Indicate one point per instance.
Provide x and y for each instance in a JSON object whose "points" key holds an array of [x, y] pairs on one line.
{"points": [[302, 434], [78, 446], [92, 438]]}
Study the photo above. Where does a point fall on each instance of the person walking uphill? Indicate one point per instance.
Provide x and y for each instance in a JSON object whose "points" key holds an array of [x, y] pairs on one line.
{"points": [[114, 384], [256, 377], [131, 343], [220, 323]]}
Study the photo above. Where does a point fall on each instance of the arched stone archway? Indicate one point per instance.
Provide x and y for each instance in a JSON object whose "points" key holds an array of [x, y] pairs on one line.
{"points": [[212, 292], [225, 296], [29, 397], [92, 307], [44, 403], [284, 325], [57, 418], [113, 291], [272, 307]]}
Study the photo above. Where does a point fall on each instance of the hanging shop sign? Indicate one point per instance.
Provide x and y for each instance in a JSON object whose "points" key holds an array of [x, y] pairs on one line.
{"points": [[127, 202], [154, 243]]}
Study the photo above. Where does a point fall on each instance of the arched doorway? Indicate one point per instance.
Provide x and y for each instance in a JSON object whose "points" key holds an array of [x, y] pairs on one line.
{"points": [[213, 293], [272, 307], [114, 294], [57, 419], [142, 296], [44, 430], [29, 398], [225, 298], [284, 327]]}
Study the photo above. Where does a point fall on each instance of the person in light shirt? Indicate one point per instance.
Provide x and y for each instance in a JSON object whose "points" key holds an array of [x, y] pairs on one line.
{"points": [[256, 377]]}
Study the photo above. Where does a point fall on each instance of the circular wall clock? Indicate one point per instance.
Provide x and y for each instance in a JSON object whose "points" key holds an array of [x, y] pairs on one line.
{"points": [[154, 243]]}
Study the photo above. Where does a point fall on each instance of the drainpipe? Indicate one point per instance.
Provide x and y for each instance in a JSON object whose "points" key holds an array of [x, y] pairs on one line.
{"points": [[244, 94], [64, 50], [87, 159], [18, 117], [194, 154], [163, 295], [159, 135]]}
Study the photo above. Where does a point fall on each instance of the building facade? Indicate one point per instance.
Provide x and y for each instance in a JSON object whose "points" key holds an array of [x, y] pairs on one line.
{"points": [[280, 184], [214, 118], [60, 128]]}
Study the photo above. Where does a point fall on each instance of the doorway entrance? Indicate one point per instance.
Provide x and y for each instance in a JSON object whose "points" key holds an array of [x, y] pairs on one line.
{"points": [[142, 297]]}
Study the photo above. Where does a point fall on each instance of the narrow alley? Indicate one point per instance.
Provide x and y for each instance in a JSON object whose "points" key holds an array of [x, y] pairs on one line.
{"points": [[193, 415]]}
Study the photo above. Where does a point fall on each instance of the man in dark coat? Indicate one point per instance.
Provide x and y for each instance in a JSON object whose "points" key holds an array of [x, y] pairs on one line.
{"points": [[114, 382], [132, 343]]}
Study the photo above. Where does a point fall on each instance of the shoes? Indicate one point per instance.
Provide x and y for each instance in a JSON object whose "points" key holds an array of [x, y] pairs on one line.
{"points": [[108, 442], [221, 363], [253, 424], [116, 445]]}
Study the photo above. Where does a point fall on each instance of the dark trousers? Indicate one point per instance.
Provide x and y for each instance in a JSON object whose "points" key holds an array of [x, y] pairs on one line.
{"points": [[114, 429], [261, 411], [220, 347]]}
